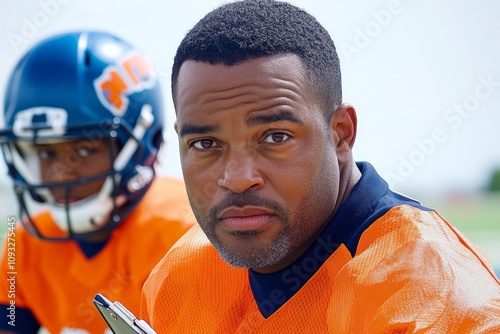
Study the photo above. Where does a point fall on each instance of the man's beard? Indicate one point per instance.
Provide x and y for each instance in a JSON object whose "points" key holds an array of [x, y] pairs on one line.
{"points": [[255, 254]]}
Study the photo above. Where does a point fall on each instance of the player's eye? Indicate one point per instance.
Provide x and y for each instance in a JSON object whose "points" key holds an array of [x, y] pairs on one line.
{"points": [[85, 151], [45, 154], [276, 137]]}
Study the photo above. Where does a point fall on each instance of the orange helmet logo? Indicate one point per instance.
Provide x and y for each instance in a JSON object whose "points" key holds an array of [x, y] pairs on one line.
{"points": [[131, 74]]}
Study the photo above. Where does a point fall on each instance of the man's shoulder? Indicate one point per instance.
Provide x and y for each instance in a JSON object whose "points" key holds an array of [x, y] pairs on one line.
{"points": [[420, 241], [408, 222], [415, 257], [401, 229]]}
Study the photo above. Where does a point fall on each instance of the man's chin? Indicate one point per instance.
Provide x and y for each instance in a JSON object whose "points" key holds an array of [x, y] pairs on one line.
{"points": [[250, 257]]}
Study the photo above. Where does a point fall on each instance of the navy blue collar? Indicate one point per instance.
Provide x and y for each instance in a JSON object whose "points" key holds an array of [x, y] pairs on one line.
{"points": [[368, 201], [91, 249]]}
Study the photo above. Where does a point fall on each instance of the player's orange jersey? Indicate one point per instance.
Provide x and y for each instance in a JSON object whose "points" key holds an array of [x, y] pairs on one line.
{"points": [[57, 282], [379, 268]]}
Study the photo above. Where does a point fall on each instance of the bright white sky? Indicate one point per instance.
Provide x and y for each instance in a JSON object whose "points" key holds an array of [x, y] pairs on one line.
{"points": [[424, 76]]}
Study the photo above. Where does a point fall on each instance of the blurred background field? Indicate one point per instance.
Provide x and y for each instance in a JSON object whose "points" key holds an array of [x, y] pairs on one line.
{"points": [[477, 217]]}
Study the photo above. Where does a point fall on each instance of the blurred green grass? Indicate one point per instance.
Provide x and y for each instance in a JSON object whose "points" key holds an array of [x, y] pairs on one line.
{"points": [[477, 217], [470, 213]]}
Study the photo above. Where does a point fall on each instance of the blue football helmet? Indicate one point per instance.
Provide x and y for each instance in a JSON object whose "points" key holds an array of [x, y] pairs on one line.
{"points": [[82, 86]]}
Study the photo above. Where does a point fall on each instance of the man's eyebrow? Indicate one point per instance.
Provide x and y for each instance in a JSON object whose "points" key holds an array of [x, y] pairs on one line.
{"points": [[252, 121], [197, 129], [265, 119]]}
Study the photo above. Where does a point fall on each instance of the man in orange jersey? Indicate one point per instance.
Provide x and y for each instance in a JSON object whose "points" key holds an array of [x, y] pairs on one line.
{"points": [[84, 124], [297, 237]]}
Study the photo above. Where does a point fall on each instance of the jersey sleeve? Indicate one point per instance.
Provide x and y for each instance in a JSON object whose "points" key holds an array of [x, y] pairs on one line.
{"points": [[416, 278]]}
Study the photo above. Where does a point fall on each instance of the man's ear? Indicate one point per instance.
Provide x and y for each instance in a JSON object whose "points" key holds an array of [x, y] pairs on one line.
{"points": [[343, 125], [175, 128]]}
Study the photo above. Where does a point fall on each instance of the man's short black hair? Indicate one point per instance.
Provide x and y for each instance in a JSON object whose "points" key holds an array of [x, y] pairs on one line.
{"points": [[250, 29]]}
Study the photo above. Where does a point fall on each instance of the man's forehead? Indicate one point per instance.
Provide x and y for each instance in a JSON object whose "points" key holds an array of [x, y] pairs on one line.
{"points": [[265, 63], [199, 81], [197, 73]]}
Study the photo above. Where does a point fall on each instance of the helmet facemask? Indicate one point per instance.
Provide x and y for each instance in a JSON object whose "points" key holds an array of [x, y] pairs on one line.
{"points": [[88, 205]]}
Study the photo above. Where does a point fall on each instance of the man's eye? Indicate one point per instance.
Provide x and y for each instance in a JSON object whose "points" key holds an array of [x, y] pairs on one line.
{"points": [[277, 137], [203, 144], [85, 151]]}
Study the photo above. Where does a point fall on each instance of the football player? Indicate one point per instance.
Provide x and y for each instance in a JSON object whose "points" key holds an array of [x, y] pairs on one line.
{"points": [[84, 123]]}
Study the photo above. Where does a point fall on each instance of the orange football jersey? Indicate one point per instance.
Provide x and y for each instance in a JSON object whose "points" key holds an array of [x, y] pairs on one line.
{"points": [[384, 264]]}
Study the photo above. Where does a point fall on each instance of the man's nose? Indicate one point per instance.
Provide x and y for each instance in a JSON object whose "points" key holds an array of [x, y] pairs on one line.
{"points": [[240, 173]]}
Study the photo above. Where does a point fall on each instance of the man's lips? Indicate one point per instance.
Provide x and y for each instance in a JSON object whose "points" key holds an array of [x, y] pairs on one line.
{"points": [[245, 218]]}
